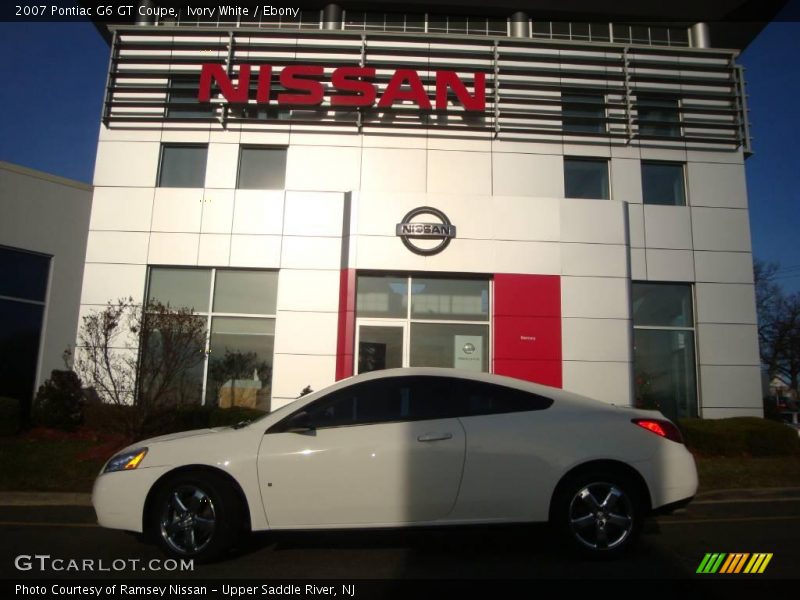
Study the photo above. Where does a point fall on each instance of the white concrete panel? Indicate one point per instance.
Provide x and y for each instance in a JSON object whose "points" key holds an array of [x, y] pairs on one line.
{"points": [[667, 227], [225, 136], [188, 136], [525, 218], [452, 172], [393, 170], [727, 344], [217, 211], [293, 372], [539, 258], [480, 142], [173, 248], [669, 265], [470, 214], [375, 140], [636, 225], [596, 340], [724, 267], [323, 168], [262, 251], [721, 229], [306, 332], [595, 297], [121, 209], [311, 253], [177, 209], [258, 212], [626, 180], [606, 381], [125, 339], [600, 260], [718, 185], [215, 250], [126, 164], [726, 303], [730, 387], [638, 264], [383, 252], [677, 154], [222, 165], [313, 214], [629, 151], [590, 149], [555, 147], [117, 247], [300, 290], [463, 255], [102, 282], [265, 138], [735, 157], [527, 175], [592, 221]]}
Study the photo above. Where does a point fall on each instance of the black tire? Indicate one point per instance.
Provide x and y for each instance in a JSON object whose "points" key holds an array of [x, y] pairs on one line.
{"points": [[196, 515], [598, 514]]}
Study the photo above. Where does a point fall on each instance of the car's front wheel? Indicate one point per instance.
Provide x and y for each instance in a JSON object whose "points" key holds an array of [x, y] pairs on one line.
{"points": [[196, 515], [599, 514]]}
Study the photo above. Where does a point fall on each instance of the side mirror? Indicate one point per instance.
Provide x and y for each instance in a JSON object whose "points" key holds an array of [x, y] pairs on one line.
{"points": [[299, 423]]}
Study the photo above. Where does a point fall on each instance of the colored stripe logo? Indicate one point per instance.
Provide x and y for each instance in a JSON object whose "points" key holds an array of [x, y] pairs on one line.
{"points": [[734, 563]]}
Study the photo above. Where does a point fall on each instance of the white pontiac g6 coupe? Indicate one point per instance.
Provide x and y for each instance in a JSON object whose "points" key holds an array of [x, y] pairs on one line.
{"points": [[405, 447]]}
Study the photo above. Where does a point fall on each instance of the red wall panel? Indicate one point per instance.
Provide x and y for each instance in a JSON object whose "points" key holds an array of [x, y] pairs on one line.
{"points": [[527, 327]]}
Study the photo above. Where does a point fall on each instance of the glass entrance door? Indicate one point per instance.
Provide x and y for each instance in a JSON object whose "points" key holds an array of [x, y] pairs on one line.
{"points": [[381, 345]]}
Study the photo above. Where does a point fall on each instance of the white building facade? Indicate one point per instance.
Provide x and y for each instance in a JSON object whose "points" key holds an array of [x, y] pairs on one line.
{"points": [[587, 210]]}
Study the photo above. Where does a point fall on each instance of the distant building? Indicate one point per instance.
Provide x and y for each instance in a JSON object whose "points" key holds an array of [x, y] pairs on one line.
{"points": [[339, 191], [43, 229]]}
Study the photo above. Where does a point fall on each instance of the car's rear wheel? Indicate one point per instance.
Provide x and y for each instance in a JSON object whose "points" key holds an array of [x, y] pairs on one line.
{"points": [[599, 514], [196, 515]]}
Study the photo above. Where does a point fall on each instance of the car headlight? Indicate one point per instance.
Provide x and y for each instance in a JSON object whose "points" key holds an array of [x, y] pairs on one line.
{"points": [[126, 461]]}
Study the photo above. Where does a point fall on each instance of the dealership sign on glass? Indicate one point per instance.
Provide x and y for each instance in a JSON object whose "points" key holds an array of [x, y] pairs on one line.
{"points": [[352, 87]]}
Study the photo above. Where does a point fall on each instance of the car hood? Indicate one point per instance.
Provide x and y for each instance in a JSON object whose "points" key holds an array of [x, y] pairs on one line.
{"points": [[171, 437]]}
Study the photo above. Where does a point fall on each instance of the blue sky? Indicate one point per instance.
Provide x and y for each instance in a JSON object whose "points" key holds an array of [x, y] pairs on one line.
{"points": [[54, 74]]}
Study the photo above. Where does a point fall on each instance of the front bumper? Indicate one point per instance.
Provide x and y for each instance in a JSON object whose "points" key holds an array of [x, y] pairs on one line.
{"points": [[119, 498]]}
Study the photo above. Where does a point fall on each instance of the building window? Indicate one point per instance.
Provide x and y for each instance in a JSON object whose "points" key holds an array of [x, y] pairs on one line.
{"points": [[23, 292], [583, 113], [658, 116], [663, 349], [663, 183], [182, 100], [182, 166], [422, 322], [238, 307], [262, 168], [586, 178]]}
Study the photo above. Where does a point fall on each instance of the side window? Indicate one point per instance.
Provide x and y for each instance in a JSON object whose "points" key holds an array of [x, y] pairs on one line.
{"points": [[386, 401], [370, 402], [433, 398], [489, 399]]}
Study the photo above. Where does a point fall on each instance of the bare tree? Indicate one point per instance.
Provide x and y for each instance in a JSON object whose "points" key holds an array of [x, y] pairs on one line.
{"points": [[142, 361], [778, 325]]}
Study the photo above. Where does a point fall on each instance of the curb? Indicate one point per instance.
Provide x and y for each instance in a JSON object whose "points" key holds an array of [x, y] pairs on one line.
{"points": [[45, 499]]}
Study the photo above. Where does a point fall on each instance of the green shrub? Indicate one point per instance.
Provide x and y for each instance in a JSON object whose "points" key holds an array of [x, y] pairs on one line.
{"points": [[739, 436], [9, 416], [59, 401]]}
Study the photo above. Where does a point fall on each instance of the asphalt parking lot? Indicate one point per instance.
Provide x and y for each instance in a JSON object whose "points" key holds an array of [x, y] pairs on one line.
{"points": [[672, 547]]}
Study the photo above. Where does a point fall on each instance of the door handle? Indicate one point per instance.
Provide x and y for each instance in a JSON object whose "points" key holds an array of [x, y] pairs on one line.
{"points": [[433, 437]]}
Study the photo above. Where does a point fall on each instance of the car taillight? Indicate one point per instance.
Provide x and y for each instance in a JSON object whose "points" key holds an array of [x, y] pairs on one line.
{"points": [[665, 429]]}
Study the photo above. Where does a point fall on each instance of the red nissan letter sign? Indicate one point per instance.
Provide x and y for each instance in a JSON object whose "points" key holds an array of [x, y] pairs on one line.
{"points": [[235, 95], [449, 79], [290, 79], [394, 90], [349, 79]]}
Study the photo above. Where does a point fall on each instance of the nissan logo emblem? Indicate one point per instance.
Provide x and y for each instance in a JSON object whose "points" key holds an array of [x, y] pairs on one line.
{"points": [[409, 229]]}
